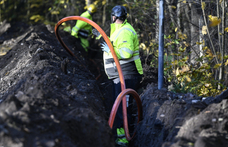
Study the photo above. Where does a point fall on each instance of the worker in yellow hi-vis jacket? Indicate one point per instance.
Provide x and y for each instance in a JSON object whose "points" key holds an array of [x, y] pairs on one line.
{"points": [[126, 46], [82, 29]]}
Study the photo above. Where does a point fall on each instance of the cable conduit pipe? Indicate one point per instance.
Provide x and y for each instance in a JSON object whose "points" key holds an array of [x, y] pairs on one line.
{"points": [[124, 92], [116, 105]]}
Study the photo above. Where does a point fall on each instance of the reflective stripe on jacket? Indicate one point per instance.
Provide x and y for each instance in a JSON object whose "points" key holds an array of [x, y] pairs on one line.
{"points": [[126, 46], [81, 25]]}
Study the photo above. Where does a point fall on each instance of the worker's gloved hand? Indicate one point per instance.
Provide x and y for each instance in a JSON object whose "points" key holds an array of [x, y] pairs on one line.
{"points": [[105, 47], [74, 34], [96, 32]]}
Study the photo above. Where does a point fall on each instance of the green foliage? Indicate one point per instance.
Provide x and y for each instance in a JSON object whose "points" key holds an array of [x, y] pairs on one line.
{"points": [[39, 11], [36, 18], [197, 79]]}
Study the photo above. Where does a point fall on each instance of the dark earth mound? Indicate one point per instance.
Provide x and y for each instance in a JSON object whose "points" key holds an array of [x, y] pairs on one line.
{"points": [[51, 99], [44, 106]]}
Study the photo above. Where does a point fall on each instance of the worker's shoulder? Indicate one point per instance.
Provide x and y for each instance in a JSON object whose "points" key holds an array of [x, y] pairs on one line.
{"points": [[85, 14], [128, 28]]}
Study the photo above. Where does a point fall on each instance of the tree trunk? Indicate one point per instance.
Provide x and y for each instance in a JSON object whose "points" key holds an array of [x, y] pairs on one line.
{"points": [[104, 13], [219, 39], [28, 10], [174, 19], [194, 32], [0, 14], [178, 12], [186, 28], [157, 21], [221, 69], [200, 37]]}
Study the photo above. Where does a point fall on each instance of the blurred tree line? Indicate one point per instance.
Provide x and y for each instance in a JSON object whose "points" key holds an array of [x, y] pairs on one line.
{"points": [[196, 55]]}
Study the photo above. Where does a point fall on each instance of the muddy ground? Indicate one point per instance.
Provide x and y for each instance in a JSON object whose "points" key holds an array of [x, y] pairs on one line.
{"points": [[51, 99]]}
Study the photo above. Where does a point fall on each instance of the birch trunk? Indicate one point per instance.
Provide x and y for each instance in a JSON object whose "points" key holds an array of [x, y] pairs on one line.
{"points": [[221, 69], [157, 21], [194, 32]]}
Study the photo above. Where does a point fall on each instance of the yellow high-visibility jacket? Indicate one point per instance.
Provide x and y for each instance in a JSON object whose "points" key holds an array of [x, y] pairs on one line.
{"points": [[81, 25], [126, 45]]}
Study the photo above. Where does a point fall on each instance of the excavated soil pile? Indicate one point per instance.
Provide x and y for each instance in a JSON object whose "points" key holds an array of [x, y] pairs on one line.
{"points": [[48, 97], [51, 99], [182, 120]]}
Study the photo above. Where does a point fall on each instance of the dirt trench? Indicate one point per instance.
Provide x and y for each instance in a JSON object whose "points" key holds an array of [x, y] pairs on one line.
{"points": [[51, 99]]}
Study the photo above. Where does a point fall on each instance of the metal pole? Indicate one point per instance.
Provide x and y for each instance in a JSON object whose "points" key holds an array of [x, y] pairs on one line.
{"points": [[161, 45]]}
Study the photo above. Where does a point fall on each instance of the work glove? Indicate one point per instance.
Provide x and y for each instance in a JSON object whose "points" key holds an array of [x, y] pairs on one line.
{"points": [[105, 47], [96, 32], [98, 35], [74, 34]]}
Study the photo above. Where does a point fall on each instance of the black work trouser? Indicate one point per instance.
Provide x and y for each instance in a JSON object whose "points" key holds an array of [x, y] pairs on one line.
{"points": [[132, 83]]}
